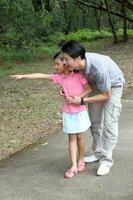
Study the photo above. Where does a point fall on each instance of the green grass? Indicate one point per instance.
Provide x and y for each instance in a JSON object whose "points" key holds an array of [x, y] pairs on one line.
{"points": [[12, 55]]}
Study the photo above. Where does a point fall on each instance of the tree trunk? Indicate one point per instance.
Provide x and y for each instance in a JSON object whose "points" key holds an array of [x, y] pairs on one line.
{"points": [[123, 10], [100, 7], [111, 22], [66, 28], [98, 19]]}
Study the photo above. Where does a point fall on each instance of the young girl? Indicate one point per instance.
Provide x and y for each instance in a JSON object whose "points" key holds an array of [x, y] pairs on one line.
{"points": [[75, 117]]}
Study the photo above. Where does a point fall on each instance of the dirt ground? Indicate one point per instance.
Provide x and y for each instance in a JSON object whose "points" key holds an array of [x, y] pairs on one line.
{"points": [[30, 110]]}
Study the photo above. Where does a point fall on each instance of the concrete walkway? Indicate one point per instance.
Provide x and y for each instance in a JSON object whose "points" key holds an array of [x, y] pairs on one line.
{"points": [[37, 172]]}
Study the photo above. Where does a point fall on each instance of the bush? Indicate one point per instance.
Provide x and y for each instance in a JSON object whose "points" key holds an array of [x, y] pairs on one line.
{"points": [[81, 35], [88, 35], [11, 54], [36, 47]]}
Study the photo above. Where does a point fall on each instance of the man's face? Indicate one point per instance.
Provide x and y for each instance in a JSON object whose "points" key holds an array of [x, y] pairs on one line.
{"points": [[72, 63]]}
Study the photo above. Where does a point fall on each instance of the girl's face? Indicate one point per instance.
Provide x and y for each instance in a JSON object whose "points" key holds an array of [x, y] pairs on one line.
{"points": [[59, 66]]}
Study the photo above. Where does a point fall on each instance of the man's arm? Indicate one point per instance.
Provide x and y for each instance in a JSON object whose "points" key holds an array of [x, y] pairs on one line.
{"points": [[87, 91], [104, 96]]}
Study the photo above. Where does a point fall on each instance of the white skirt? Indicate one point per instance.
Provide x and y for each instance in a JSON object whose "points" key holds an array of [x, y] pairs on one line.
{"points": [[76, 122]]}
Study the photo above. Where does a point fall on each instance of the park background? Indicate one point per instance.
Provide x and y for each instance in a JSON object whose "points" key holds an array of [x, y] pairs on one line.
{"points": [[31, 32]]}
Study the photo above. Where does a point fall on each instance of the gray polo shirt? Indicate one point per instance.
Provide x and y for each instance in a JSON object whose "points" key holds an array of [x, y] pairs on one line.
{"points": [[103, 72]]}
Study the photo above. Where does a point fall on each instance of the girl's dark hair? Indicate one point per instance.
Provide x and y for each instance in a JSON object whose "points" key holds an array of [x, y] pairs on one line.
{"points": [[58, 55], [74, 49]]}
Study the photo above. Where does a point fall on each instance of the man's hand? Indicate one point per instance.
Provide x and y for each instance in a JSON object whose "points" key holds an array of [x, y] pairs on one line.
{"points": [[69, 99], [73, 100]]}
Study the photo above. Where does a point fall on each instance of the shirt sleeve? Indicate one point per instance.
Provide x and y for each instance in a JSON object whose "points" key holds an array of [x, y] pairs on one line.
{"points": [[56, 78]]}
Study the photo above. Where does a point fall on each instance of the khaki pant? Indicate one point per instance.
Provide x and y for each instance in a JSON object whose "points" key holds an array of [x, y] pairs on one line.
{"points": [[104, 118]]}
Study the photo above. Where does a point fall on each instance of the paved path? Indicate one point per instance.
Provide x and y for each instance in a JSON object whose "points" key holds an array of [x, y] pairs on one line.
{"points": [[37, 172]]}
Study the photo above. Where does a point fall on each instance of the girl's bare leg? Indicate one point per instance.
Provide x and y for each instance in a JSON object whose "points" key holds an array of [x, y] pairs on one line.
{"points": [[73, 149], [80, 143], [75, 141]]}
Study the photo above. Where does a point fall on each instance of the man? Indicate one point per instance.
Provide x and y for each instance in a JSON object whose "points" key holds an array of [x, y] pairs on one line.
{"points": [[106, 80]]}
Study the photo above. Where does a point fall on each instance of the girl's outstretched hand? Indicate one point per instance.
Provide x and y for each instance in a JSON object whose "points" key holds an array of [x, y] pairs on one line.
{"points": [[16, 77]]}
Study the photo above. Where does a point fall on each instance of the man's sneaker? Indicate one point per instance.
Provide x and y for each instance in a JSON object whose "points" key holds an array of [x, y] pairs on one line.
{"points": [[90, 159], [103, 170]]}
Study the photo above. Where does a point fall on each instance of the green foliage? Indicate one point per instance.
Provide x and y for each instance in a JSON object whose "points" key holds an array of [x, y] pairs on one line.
{"points": [[37, 48], [120, 32], [13, 55], [31, 23], [30, 28], [84, 35], [32, 53], [24, 24], [81, 35], [130, 32]]}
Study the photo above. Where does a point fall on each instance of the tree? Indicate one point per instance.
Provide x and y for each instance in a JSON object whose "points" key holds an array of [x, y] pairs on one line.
{"points": [[123, 10], [44, 5], [112, 8], [110, 21]]}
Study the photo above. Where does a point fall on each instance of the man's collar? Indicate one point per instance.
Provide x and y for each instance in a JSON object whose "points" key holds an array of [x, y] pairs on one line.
{"points": [[87, 65]]}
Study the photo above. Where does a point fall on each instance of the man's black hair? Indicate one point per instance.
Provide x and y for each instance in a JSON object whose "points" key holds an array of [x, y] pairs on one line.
{"points": [[74, 49]]}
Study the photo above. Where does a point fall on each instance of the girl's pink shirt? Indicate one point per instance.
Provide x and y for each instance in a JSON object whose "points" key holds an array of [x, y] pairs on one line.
{"points": [[73, 85]]}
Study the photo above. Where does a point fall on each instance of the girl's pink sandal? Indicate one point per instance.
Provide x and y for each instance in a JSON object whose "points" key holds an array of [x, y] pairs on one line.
{"points": [[71, 172], [81, 166]]}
